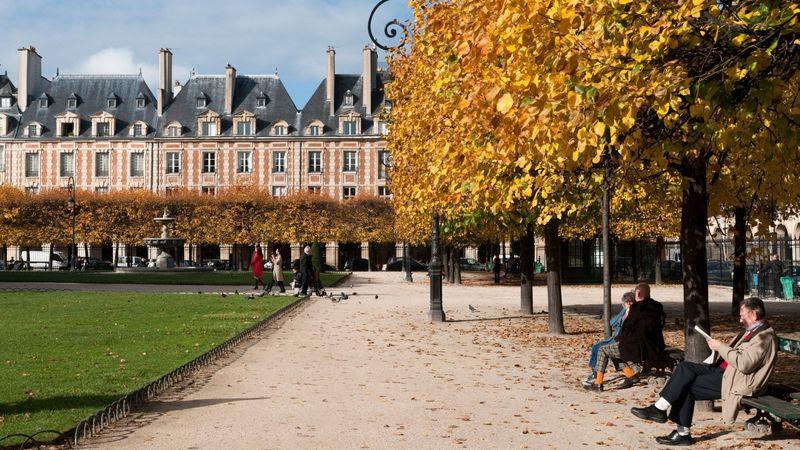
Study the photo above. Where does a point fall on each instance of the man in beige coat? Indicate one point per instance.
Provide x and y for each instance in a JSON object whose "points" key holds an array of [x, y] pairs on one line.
{"points": [[742, 369]]}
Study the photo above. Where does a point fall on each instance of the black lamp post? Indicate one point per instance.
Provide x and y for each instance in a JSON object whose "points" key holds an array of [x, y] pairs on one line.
{"points": [[435, 271], [73, 209]]}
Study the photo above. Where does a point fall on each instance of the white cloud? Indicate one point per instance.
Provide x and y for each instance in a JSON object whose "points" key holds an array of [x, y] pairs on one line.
{"points": [[111, 61]]}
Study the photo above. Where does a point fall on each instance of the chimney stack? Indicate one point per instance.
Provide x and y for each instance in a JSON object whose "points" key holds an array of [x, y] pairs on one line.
{"points": [[230, 84], [330, 80], [29, 64], [370, 63], [164, 79]]}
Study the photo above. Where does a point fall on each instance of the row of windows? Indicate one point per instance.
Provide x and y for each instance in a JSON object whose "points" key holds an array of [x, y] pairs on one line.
{"points": [[208, 129], [244, 163], [277, 191]]}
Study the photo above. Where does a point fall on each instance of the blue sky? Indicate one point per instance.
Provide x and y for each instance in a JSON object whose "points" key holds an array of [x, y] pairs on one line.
{"points": [[255, 36]]}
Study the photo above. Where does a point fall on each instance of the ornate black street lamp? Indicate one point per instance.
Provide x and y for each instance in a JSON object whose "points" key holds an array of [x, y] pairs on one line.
{"points": [[73, 209], [436, 312]]}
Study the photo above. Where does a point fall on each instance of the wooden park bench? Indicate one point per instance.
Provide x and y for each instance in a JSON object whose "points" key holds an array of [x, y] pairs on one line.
{"points": [[774, 408]]}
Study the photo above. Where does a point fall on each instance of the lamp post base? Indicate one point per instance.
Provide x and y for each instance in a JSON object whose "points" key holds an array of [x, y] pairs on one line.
{"points": [[436, 316]]}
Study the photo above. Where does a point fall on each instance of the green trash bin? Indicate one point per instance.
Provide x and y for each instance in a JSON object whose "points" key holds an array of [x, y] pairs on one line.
{"points": [[788, 288]]}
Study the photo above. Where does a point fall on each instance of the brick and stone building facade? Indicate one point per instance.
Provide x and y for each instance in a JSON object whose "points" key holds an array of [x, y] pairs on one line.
{"points": [[111, 132]]}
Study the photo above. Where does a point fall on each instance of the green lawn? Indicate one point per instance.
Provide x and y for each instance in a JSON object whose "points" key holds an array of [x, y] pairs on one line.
{"points": [[220, 278], [65, 355]]}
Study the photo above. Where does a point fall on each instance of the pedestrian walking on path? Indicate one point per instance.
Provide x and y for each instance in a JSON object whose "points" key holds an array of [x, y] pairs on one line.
{"points": [[257, 266], [277, 272]]}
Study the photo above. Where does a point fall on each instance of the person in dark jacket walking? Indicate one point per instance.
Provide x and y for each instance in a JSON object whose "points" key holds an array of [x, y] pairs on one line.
{"points": [[640, 340], [496, 268], [306, 270]]}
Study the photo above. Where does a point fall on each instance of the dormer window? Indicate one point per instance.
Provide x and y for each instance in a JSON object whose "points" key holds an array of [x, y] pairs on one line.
{"points": [[111, 101], [349, 127], [174, 131], [44, 103], [72, 101], [138, 129], [141, 100], [261, 100], [202, 100], [313, 130], [279, 130], [33, 130], [5, 102], [348, 98]]}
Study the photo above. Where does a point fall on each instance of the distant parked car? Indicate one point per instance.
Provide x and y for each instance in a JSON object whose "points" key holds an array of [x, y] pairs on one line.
{"points": [[92, 263], [218, 264], [356, 265], [135, 261], [41, 259], [470, 264], [396, 265]]}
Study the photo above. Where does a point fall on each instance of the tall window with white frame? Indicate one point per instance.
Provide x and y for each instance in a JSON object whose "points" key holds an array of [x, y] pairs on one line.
{"points": [[173, 162], [348, 192], [244, 162], [383, 164], [383, 191], [66, 164], [208, 190], [2, 158], [279, 191], [103, 129], [137, 164], [243, 128], [101, 164], [314, 162], [349, 161], [31, 165], [209, 128], [278, 162], [209, 162], [349, 127]]}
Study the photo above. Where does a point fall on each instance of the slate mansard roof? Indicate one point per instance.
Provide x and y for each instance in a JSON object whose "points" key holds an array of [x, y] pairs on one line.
{"points": [[280, 106], [92, 92], [317, 106]]}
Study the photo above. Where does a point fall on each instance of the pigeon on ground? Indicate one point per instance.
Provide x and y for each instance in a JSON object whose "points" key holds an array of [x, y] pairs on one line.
{"points": [[376, 296], [236, 291], [199, 292], [223, 295], [250, 296], [355, 293], [472, 308]]}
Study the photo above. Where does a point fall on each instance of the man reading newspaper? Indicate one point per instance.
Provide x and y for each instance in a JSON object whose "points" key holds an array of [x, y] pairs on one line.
{"points": [[743, 368]]}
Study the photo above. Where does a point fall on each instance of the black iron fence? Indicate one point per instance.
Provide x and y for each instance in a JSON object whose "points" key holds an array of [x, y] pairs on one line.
{"points": [[634, 261]]}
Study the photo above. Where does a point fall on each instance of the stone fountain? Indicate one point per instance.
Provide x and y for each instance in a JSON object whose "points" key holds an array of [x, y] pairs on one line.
{"points": [[165, 243]]}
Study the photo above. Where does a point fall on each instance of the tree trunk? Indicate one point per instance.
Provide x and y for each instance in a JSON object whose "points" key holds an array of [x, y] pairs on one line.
{"points": [[606, 219], [694, 218], [116, 254], [452, 260], [85, 253], [739, 259], [657, 260], [28, 262], [456, 266], [552, 245], [526, 271]]}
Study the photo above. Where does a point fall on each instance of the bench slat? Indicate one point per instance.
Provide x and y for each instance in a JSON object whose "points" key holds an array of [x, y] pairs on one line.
{"points": [[775, 406]]}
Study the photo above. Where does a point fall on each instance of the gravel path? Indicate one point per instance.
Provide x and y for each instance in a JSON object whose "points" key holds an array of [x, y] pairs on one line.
{"points": [[374, 373]]}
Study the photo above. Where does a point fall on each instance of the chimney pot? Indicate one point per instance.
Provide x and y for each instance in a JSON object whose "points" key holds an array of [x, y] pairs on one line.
{"points": [[330, 80], [230, 85]]}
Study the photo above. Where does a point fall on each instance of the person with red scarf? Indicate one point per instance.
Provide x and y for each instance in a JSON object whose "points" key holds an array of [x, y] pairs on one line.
{"points": [[257, 266]]}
